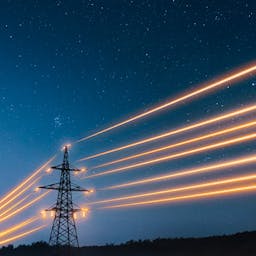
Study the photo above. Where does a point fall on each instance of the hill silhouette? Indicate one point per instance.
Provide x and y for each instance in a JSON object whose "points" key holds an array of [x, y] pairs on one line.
{"points": [[240, 244]]}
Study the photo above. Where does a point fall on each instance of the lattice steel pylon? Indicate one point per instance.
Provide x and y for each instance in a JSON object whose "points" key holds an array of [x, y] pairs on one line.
{"points": [[63, 232]]}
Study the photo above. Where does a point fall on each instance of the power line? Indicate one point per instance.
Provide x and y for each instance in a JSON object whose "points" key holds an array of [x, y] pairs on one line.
{"points": [[181, 143], [214, 119], [177, 155], [178, 189], [220, 82], [188, 172], [222, 192]]}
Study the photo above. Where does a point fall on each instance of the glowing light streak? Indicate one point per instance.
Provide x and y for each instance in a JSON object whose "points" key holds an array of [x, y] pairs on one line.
{"points": [[176, 131], [9, 209], [178, 189], [26, 180], [208, 194], [18, 226], [19, 193], [184, 153], [24, 234], [24, 207], [220, 82], [184, 142], [188, 172]]}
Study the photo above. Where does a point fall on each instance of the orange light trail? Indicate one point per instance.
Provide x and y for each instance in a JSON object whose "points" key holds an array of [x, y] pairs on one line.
{"points": [[26, 180], [188, 172], [229, 78], [24, 234], [184, 153], [15, 205], [20, 193], [24, 207], [177, 131], [208, 194], [18, 226], [184, 142], [178, 189]]}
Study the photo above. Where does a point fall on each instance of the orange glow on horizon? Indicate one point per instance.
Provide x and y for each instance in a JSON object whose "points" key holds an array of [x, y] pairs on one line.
{"points": [[217, 83], [176, 155]]}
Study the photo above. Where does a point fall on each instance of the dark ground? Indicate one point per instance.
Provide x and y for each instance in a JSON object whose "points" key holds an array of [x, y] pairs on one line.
{"points": [[242, 244]]}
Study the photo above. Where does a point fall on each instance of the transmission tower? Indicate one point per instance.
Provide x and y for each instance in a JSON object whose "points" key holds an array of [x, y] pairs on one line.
{"points": [[63, 232]]}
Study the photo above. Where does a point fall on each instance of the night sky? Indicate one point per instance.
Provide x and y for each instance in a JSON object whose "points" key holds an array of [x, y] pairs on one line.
{"points": [[71, 68]]}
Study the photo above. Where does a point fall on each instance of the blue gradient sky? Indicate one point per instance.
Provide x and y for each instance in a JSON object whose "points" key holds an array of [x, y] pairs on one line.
{"points": [[70, 68]]}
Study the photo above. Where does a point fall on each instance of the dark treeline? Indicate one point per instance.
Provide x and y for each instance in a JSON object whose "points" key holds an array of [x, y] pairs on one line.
{"points": [[243, 244]]}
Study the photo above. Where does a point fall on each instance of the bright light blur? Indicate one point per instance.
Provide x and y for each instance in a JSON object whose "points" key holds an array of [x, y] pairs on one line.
{"points": [[84, 169], [47, 214], [89, 191], [68, 145], [85, 212], [43, 214], [37, 189], [49, 170]]}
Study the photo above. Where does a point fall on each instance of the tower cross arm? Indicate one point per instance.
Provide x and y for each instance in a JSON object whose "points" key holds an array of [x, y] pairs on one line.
{"points": [[60, 167], [55, 208], [75, 187], [54, 186]]}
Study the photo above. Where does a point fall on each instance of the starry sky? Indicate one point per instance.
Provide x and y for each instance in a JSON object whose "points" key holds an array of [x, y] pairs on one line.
{"points": [[70, 68]]}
